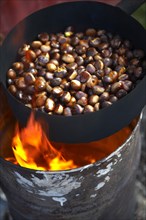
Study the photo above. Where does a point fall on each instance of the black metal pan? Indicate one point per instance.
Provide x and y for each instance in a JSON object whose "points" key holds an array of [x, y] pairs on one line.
{"points": [[81, 15]]}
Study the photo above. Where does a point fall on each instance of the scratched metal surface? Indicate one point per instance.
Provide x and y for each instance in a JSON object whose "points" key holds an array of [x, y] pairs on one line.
{"points": [[140, 213], [92, 190]]}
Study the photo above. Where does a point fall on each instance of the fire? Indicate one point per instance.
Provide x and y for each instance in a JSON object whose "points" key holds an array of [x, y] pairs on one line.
{"points": [[33, 150], [30, 147]]}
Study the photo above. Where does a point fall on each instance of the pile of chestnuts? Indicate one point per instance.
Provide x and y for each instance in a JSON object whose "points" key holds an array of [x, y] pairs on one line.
{"points": [[75, 72]]}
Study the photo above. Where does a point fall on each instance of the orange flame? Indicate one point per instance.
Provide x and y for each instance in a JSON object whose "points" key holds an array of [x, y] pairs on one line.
{"points": [[33, 150]]}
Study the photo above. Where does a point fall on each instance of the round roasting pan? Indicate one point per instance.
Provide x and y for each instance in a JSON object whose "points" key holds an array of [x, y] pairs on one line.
{"points": [[81, 15]]}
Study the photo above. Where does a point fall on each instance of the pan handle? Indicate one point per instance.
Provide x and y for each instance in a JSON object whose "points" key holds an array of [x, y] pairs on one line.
{"points": [[128, 6]]}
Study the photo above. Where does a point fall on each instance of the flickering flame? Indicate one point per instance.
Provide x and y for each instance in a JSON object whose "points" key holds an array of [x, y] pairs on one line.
{"points": [[33, 150]]}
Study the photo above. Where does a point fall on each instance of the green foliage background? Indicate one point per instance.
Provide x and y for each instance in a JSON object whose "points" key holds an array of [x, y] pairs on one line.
{"points": [[140, 14]]}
